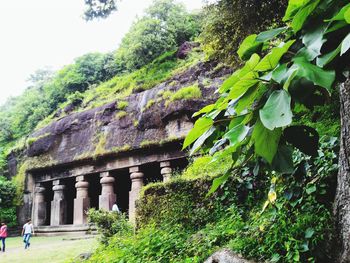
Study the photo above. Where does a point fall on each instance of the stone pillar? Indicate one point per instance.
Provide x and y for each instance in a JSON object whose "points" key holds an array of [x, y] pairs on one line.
{"points": [[107, 197], [82, 201], [58, 204], [166, 170], [39, 212], [136, 177]]}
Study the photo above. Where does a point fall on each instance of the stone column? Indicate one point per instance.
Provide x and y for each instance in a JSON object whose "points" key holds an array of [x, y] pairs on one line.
{"points": [[82, 201], [58, 204], [39, 206], [136, 177], [107, 197], [166, 170]]}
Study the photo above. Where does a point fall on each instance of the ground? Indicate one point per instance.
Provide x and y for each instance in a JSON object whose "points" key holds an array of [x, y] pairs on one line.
{"points": [[46, 249]]}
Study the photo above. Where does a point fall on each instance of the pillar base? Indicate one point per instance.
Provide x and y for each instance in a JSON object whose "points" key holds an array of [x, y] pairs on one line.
{"points": [[81, 206]]}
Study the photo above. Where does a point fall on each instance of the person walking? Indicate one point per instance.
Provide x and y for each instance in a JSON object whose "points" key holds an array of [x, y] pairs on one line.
{"points": [[27, 232], [3, 235]]}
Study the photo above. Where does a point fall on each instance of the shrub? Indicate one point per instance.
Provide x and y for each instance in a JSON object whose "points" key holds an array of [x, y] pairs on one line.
{"points": [[7, 204], [109, 224]]}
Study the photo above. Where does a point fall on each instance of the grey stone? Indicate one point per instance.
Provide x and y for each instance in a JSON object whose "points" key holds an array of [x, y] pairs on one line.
{"points": [[226, 256]]}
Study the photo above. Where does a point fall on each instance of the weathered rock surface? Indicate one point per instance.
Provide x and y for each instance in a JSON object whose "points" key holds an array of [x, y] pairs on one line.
{"points": [[226, 256], [103, 131]]}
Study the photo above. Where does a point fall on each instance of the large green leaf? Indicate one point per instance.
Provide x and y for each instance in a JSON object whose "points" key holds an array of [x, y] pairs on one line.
{"points": [[318, 76], [301, 16], [314, 40], [240, 74], [249, 97], [345, 45], [266, 141], [328, 58], [237, 134], [241, 87], [200, 141], [248, 47], [200, 126], [271, 60], [293, 7], [283, 160], [270, 34], [218, 181], [284, 76], [341, 14], [276, 112], [347, 16]]}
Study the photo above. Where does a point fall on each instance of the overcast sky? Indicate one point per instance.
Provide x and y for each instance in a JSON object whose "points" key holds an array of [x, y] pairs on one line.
{"points": [[39, 33]]}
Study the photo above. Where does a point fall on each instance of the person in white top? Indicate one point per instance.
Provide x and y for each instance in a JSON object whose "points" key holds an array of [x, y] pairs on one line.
{"points": [[115, 208], [27, 232]]}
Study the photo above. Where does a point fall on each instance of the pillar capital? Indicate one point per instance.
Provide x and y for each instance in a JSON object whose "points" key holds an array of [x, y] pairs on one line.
{"points": [[107, 180], [82, 184], [57, 188], [165, 164], [136, 176], [105, 174]]}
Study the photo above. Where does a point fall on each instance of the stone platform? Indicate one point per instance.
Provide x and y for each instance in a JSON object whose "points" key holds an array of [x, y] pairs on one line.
{"points": [[65, 230]]}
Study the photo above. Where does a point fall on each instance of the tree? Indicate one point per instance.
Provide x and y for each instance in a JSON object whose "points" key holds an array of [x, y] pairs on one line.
{"points": [[228, 22], [299, 64], [165, 26], [99, 8]]}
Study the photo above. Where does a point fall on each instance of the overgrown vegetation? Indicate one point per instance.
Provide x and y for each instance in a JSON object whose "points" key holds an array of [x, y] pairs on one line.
{"points": [[178, 222], [228, 22], [7, 199]]}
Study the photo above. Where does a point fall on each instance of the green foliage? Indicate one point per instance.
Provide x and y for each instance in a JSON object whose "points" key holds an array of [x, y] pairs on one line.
{"points": [[177, 222], [109, 223], [7, 196], [259, 96], [205, 166], [165, 26], [228, 22]]}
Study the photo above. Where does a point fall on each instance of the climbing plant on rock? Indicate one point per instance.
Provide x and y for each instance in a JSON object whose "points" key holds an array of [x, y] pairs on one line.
{"points": [[302, 62]]}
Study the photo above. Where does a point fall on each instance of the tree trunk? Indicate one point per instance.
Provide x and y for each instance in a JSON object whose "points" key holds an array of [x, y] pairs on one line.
{"points": [[342, 199]]}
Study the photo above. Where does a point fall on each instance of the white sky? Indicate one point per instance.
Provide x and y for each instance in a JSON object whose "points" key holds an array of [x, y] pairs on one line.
{"points": [[39, 33]]}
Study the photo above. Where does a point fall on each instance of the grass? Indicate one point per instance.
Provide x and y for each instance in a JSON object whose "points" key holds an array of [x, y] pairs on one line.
{"points": [[46, 249]]}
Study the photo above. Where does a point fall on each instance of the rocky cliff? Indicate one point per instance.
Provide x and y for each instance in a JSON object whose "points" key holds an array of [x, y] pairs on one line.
{"points": [[153, 117]]}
